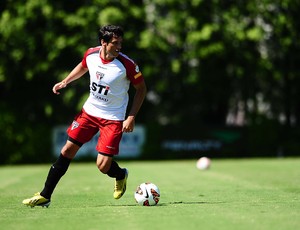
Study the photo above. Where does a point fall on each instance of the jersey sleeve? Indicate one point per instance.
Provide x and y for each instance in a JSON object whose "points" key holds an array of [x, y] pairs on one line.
{"points": [[83, 62], [132, 70], [88, 52], [135, 75]]}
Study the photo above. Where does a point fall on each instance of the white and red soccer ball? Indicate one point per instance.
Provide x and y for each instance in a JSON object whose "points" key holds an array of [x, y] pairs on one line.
{"points": [[147, 194], [203, 163]]}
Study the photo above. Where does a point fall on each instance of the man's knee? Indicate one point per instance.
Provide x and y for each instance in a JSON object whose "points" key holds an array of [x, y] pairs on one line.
{"points": [[103, 163], [69, 150]]}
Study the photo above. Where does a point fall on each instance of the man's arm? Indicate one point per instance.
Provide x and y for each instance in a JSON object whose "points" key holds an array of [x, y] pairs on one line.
{"points": [[76, 73], [140, 94]]}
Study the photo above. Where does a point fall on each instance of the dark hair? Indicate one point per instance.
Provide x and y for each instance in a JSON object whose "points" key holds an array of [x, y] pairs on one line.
{"points": [[109, 31]]}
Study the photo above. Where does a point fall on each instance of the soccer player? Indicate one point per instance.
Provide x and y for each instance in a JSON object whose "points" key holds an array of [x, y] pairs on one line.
{"points": [[111, 73]]}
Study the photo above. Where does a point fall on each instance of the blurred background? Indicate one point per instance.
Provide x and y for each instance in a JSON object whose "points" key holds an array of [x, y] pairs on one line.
{"points": [[223, 77]]}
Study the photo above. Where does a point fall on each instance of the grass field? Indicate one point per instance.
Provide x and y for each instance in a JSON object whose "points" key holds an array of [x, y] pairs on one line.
{"points": [[233, 194]]}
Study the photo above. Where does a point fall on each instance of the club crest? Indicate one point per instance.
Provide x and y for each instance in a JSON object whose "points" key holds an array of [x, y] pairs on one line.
{"points": [[75, 125]]}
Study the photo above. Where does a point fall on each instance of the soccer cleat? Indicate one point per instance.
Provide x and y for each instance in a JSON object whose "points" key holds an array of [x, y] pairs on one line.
{"points": [[120, 186], [37, 200]]}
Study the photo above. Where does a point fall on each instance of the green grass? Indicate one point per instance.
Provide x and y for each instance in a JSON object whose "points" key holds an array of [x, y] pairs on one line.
{"points": [[233, 194]]}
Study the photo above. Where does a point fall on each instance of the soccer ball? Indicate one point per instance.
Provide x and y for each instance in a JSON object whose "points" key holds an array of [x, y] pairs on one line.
{"points": [[203, 163], [147, 194]]}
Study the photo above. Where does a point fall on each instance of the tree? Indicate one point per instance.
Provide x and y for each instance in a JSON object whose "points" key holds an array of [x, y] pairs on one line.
{"points": [[42, 41], [202, 60]]}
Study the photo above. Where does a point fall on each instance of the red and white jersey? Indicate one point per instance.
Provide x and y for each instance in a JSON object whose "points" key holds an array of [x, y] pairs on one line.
{"points": [[109, 84]]}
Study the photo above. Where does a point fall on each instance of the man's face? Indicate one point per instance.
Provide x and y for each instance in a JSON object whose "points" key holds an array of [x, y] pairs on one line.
{"points": [[113, 47]]}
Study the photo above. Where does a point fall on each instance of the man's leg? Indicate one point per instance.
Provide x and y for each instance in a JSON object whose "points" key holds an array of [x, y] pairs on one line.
{"points": [[57, 170], [108, 166]]}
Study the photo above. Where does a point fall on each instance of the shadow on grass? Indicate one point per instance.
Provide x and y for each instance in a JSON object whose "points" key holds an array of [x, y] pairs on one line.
{"points": [[188, 203], [162, 204]]}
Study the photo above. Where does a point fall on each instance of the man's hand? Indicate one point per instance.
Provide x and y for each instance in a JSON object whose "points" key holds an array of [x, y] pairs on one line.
{"points": [[59, 86], [128, 124]]}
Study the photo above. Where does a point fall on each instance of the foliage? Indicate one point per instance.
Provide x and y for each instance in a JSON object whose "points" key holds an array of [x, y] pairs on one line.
{"points": [[202, 60], [42, 41]]}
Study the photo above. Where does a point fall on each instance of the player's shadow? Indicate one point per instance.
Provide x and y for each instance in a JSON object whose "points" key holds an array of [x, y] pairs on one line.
{"points": [[164, 204], [188, 203]]}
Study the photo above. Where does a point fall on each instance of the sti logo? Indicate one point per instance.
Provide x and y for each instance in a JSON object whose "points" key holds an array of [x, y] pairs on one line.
{"points": [[100, 89]]}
